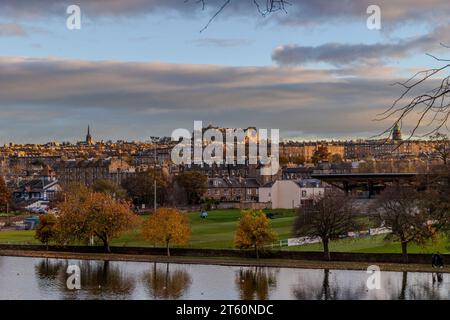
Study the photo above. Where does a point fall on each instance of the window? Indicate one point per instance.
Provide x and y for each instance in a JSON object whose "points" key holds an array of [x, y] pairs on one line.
{"points": [[304, 193]]}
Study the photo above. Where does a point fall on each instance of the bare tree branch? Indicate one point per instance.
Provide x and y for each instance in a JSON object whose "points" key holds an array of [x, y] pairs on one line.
{"points": [[263, 7], [431, 104]]}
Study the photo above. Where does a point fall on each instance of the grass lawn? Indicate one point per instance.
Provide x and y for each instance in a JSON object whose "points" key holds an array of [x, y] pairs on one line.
{"points": [[18, 237], [376, 244], [217, 231]]}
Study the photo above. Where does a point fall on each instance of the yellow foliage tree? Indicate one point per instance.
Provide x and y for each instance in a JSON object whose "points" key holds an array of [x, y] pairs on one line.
{"points": [[166, 226], [254, 231], [85, 214]]}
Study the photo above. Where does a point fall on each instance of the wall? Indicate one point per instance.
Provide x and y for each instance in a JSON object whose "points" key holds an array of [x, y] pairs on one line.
{"points": [[293, 255]]}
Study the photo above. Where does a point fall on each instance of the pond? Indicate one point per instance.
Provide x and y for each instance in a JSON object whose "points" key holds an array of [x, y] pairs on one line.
{"points": [[37, 278]]}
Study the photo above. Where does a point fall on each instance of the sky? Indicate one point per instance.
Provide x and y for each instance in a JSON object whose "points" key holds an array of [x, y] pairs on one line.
{"points": [[140, 68]]}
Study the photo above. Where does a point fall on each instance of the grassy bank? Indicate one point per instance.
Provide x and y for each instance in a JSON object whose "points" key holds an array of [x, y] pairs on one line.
{"points": [[217, 231]]}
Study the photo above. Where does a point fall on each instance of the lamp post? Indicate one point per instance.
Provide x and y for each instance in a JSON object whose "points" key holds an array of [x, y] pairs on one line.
{"points": [[154, 197]]}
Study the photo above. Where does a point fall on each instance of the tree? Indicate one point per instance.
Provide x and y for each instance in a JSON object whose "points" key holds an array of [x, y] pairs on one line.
{"points": [[167, 226], [327, 217], [85, 214], [193, 185], [46, 229], [5, 195], [108, 187], [141, 188], [368, 165], [254, 231], [320, 154], [431, 107], [435, 198], [441, 146], [336, 158], [401, 210]]}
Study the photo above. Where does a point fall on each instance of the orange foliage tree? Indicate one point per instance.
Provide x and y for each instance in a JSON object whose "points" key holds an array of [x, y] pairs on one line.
{"points": [[166, 226], [254, 231], [85, 214]]}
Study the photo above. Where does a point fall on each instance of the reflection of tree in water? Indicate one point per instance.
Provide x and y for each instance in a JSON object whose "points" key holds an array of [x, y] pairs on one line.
{"points": [[423, 290], [162, 283], [327, 291], [426, 290], [317, 292], [104, 278], [255, 283], [48, 269], [402, 294], [98, 278]]}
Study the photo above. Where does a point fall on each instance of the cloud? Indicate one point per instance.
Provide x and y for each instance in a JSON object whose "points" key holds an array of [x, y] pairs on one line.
{"points": [[299, 12], [223, 43], [125, 100], [12, 30], [343, 54]]}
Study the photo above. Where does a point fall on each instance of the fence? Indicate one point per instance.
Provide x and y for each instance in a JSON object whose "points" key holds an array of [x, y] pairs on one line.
{"points": [[291, 242]]}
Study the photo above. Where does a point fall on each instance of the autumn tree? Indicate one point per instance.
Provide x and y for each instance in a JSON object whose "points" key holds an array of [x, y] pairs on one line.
{"points": [[320, 154], [167, 226], [193, 185], [46, 229], [141, 187], [85, 214], [401, 210], [326, 217], [5, 195], [336, 158], [254, 231], [108, 187]]}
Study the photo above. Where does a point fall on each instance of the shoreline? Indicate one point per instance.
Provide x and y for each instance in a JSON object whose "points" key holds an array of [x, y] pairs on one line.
{"points": [[225, 261]]}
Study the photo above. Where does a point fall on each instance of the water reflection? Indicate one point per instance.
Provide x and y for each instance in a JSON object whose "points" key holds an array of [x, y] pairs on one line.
{"points": [[106, 278], [48, 269], [255, 283], [312, 290], [32, 278], [162, 283], [100, 279]]}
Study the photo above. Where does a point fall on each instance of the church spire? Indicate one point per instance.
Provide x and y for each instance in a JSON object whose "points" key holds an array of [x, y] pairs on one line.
{"points": [[88, 135]]}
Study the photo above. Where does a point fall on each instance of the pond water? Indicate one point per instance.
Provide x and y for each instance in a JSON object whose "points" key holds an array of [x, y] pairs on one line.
{"points": [[36, 278]]}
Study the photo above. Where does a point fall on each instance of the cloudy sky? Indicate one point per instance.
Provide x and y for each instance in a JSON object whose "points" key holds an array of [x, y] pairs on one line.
{"points": [[142, 67]]}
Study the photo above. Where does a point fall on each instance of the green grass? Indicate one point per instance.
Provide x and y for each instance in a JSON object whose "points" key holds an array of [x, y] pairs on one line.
{"points": [[18, 237], [376, 244], [217, 231]]}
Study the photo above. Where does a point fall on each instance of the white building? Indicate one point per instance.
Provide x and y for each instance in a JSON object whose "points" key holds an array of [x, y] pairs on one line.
{"points": [[290, 194]]}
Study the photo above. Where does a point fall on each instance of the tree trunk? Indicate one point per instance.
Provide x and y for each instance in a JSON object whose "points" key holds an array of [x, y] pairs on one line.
{"points": [[326, 251], [106, 244], [405, 252], [168, 249], [256, 252]]}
